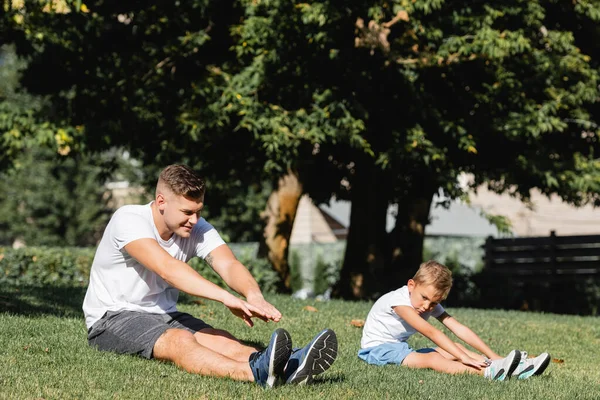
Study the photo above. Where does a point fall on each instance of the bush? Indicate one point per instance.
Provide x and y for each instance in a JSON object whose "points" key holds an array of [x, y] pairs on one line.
{"points": [[70, 266], [326, 274], [58, 266]]}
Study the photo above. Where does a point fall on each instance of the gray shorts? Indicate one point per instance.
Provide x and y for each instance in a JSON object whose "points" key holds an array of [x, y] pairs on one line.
{"points": [[134, 332]]}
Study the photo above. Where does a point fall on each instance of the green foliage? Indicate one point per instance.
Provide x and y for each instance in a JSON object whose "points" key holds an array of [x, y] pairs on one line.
{"points": [[52, 200], [70, 267], [234, 207], [326, 274], [65, 266], [296, 278], [391, 100], [21, 127], [260, 269]]}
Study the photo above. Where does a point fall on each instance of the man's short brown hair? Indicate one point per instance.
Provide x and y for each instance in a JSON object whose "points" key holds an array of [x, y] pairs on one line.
{"points": [[182, 181], [434, 273]]}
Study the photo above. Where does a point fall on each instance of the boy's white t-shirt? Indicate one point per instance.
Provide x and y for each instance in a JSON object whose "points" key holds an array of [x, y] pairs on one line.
{"points": [[119, 282], [383, 325]]}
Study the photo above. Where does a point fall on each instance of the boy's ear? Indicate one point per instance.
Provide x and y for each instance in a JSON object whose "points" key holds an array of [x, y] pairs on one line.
{"points": [[411, 285]]}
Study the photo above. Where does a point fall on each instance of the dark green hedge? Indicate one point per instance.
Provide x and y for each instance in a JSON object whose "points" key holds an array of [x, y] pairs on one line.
{"points": [[70, 266]]}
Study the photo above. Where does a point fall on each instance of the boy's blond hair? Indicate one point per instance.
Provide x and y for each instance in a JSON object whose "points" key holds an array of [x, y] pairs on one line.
{"points": [[434, 273]]}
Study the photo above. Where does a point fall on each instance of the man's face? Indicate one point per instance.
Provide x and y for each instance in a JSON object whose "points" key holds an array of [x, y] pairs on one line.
{"points": [[180, 213], [423, 297]]}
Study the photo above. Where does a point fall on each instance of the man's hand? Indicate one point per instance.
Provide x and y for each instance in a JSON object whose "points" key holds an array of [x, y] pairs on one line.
{"points": [[270, 312], [243, 310]]}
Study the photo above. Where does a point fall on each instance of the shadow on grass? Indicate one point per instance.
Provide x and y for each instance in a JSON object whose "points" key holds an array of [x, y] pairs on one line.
{"points": [[336, 377], [42, 300]]}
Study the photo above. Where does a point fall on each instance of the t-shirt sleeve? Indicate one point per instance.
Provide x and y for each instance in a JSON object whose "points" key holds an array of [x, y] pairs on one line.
{"points": [[127, 227], [207, 238], [437, 311], [398, 299]]}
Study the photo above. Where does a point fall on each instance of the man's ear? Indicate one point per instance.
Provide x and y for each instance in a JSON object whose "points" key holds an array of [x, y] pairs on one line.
{"points": [[161, 201]]}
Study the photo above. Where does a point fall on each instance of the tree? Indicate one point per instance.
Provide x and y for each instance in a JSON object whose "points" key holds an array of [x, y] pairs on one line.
{"points": [[433, 89], [20, 125], [53, 200], [170, 84], [379, 102]]}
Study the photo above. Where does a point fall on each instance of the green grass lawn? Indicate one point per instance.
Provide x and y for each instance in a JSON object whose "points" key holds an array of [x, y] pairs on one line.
{"points": [[44, 354]]}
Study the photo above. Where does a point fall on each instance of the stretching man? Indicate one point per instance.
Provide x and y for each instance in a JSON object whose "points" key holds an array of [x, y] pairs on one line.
{"points": [[141, 265]]}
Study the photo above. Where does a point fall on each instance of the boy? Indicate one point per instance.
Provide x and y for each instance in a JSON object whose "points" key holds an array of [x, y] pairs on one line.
{"points": [[141, 265], [401, 313]]}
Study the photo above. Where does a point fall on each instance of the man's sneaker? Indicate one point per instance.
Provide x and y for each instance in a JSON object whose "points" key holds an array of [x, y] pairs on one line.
{"points": [[267, 365], [531, 366], [312, 359], [499, 370]]}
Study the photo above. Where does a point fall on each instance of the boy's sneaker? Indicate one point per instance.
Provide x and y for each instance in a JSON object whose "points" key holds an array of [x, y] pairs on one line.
{"points": [[312, 359], [499, 370], [531, 366], [267, 365]]}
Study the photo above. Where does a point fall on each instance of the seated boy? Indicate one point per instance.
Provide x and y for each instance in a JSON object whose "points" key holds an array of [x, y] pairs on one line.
{"points": [[401, 313]]}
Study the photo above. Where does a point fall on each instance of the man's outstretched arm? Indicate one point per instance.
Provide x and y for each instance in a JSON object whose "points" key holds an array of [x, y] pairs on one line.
{"points": [[183, 277], [237, 277]]}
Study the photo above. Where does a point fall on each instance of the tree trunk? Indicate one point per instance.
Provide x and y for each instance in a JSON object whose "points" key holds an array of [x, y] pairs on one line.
{"points": [[376, 262], [279, 217], [366, 245], [407, 240]]}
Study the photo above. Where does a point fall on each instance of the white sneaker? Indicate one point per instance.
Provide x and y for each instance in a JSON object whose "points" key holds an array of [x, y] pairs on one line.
{"points": [[531, 366], [499, 370]]}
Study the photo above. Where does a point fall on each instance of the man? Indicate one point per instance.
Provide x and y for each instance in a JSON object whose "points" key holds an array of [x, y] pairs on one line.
{"points": [[138, 270]]}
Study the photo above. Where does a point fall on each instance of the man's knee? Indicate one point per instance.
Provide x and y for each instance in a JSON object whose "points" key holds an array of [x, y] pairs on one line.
{"points": [[172, 342], [215, 333]]}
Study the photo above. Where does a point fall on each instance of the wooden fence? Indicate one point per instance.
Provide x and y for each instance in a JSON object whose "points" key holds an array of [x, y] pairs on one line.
{"points": [[552, 257]]}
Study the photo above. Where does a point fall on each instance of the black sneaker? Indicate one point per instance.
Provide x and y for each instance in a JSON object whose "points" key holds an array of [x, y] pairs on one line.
{"points": [[313, 359], [267, 365]]}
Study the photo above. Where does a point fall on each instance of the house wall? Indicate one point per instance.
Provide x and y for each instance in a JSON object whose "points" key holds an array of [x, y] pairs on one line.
{"points": [[544, 215]]}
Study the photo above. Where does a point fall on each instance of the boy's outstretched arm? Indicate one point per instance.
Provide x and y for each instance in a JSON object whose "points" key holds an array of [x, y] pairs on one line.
{"points": [[438, 337], [464, 333]]}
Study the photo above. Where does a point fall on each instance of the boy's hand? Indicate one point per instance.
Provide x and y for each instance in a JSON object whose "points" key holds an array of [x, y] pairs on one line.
{"points": [[471, 362]]}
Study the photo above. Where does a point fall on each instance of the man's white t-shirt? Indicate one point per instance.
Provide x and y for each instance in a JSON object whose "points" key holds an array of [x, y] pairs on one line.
{"points": [[383, 325], [119, 282]]}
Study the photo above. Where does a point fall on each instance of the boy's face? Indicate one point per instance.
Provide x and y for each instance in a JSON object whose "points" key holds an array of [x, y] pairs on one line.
{"points": [[423, 297], [180, 213]]}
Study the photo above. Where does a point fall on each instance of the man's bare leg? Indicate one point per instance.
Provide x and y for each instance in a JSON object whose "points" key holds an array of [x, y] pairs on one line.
{"points": [[224, 343], [439, 363], [181, 347]]}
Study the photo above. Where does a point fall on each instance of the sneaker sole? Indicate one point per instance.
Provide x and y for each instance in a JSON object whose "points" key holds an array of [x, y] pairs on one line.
{"points": [[320, 356], [280, 353], [513, 365], [543, 366]]}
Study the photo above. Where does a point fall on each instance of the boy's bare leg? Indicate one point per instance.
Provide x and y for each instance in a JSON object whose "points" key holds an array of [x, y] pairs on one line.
{"points": [[439, 363], [224, 343], [473, 355], [181, 347]]}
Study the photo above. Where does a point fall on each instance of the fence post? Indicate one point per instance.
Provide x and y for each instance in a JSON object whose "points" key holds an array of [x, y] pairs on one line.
{"points": [[553, 280], [553, 252], [488, 252]]}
